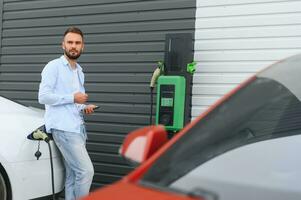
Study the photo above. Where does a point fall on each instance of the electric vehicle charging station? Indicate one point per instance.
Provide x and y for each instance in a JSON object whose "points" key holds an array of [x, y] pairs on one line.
{"points": [[174, 87], [170, 102]]}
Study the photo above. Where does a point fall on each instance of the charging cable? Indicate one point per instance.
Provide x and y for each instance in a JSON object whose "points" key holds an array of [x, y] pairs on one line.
{"points": [[158, 72]]}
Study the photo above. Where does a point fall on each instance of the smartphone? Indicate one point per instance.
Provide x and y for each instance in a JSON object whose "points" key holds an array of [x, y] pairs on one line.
{"points": [[97, 107]]}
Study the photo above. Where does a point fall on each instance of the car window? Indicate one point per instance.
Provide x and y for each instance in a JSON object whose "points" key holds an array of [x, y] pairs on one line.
{"points": [[268, 169], [262, 110]]}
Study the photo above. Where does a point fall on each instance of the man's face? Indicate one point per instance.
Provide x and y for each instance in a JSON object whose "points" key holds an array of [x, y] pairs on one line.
{"points": [[73, 45]]}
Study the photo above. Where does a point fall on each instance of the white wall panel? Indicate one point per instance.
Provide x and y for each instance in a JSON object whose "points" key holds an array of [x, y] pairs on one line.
{"points": [[261, 7], [249, 32], [232, 2], [235, 39]]}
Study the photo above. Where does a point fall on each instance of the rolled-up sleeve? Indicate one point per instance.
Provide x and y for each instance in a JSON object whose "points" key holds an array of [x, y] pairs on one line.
{"points": [[46, 89]]}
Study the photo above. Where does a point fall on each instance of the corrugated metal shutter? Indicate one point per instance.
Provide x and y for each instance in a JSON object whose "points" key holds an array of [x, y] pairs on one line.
{"points": [[235, 39], [124, 40]]}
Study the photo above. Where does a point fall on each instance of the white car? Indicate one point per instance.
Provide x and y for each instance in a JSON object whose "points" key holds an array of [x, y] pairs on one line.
{"points": [[22, 175]]}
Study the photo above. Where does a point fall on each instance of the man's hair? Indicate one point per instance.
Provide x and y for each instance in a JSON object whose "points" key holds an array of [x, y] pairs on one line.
{"points": [[74, 29]]}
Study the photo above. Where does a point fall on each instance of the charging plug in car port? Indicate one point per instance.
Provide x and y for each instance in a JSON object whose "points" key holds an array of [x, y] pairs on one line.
{"points": [[39, 134]]}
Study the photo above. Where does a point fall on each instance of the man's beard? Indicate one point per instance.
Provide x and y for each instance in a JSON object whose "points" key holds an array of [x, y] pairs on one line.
{"points": [[72, 56]]}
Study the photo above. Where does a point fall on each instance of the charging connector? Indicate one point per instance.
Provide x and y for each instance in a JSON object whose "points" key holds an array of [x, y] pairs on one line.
{"points": [[39, 134]]}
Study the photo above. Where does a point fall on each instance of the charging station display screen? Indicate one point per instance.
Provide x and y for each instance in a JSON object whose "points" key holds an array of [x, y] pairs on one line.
{"points": [[167, 102], [167, 94]]}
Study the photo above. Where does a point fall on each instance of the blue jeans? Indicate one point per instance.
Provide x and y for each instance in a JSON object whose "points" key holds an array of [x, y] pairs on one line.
{"points": [[79, 168]]}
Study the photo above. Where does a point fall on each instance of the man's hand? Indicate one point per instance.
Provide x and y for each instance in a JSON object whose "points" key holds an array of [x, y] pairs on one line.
{"points": [[89, 109], [80, 98]]}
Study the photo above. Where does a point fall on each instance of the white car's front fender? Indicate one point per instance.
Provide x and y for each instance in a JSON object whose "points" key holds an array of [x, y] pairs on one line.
{"points": [[32, 179]]}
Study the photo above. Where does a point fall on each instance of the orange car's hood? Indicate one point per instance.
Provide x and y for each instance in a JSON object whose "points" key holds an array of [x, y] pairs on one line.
{"points": [[129, 191]]}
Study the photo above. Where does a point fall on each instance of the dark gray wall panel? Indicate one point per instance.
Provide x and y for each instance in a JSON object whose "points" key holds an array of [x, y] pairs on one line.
{"points": [[1, 20], [104, 19], [93, 67], [103, 28], [44, 8], [124, 39]]}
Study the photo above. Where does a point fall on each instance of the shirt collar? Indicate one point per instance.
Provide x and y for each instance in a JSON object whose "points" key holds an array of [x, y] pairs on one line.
{"points": [[66, 63]]}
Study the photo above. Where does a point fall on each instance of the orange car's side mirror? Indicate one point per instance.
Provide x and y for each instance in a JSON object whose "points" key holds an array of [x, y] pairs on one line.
{"points": [[142, 143]]}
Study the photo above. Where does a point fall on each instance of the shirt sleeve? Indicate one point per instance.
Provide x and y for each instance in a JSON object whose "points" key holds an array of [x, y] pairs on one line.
{"points": [[81, 106], [46, 89]]}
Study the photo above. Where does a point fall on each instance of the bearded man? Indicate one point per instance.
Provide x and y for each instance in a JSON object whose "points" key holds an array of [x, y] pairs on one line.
{"points": [[63, 94]]}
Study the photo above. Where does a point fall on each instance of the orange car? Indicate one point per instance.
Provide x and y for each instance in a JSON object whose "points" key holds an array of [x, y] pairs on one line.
{"points": [[246, 146]]}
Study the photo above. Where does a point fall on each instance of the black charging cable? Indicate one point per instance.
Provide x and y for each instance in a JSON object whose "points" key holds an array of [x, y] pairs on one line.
{"points": [[151, 106], [52, 173]]}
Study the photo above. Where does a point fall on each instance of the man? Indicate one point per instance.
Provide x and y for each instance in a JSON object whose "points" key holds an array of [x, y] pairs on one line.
{"points": [[63, 93]]}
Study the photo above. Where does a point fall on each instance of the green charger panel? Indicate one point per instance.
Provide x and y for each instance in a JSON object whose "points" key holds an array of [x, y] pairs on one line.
{"points": [[171, 102]]}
